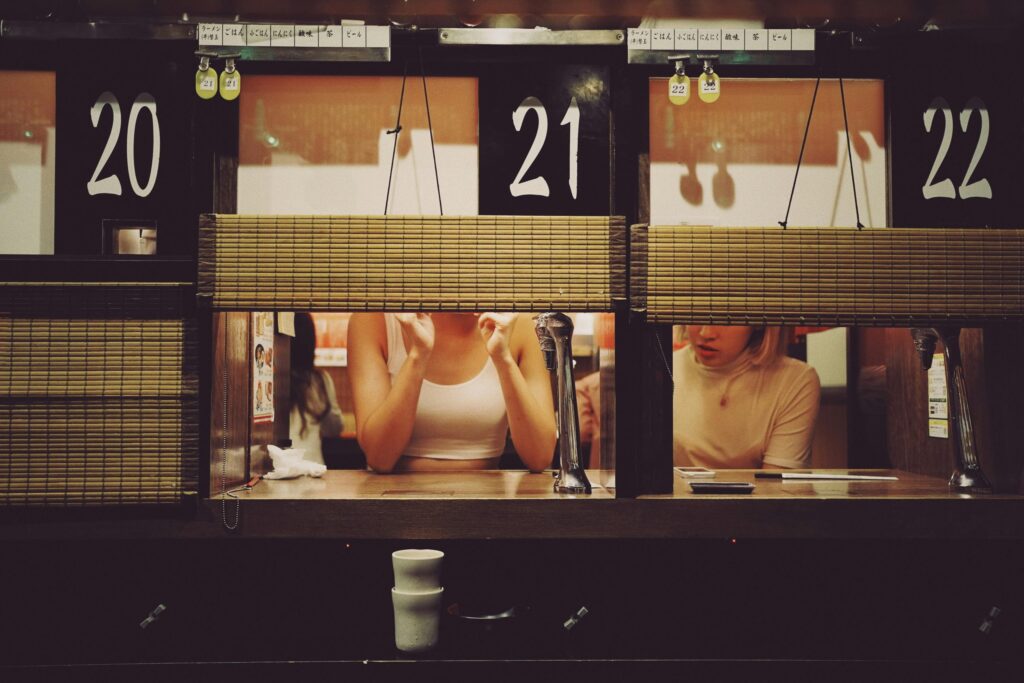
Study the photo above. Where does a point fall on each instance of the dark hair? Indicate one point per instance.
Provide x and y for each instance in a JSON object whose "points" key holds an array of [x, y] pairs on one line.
{"points": [[305, 380]]}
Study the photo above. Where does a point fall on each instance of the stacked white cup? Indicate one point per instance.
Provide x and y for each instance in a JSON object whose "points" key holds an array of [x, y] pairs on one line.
{"points": [[416, 598]]}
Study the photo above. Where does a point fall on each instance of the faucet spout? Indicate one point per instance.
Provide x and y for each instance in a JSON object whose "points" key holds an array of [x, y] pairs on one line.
{"points": [[554, 330]]}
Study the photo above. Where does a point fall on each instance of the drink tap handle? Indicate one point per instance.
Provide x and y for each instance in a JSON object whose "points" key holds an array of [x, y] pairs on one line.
{"points": [[968, 475], [554, 330], [924, 343]]}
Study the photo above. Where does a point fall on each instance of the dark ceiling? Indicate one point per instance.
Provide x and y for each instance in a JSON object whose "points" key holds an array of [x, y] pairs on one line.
{"points": [[554, 14]]}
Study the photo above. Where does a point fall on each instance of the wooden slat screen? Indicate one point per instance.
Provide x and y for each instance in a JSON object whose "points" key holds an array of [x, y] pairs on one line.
{"points": [[350, 263], [827, 276], [98, 394]]}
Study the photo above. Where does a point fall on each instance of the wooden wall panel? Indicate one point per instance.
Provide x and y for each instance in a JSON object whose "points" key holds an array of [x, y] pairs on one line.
{"points": [[993, 381], [230, 361], [1004, 377], [282, 368], [868, 397]]}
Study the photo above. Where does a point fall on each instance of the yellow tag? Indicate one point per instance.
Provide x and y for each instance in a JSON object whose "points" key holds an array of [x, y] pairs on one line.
{"points": [[206, 83], [230, 85], [679, 89], [710, 88]]}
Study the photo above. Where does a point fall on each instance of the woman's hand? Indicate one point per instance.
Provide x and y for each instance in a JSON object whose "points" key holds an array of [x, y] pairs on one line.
{"points": [[419, 328], [496, 330]]}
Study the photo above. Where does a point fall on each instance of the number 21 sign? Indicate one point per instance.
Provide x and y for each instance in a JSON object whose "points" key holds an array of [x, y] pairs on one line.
{"points": [[544, 140]]}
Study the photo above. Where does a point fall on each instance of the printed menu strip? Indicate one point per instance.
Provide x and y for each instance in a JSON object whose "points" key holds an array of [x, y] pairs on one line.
{"points": [[295, 35], [723, 39]]}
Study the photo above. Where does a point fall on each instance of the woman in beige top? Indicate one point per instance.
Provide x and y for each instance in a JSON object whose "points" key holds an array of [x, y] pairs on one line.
{"points": [[739, 402]]}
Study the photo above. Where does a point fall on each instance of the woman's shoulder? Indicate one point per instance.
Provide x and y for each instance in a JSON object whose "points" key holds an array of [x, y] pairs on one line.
{"points": [[795, 373], [326, 377], [368, 326], [367, 321], [522, 331], [682, 360]]}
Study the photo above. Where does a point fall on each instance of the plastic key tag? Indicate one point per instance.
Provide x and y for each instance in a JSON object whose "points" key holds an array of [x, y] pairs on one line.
{"points": [[206, 82], [710, 88], [230, 84], [679, 89]]}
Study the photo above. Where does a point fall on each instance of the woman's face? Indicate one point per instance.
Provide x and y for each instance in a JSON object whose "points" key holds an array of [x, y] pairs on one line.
{"points": [[717, 345]]}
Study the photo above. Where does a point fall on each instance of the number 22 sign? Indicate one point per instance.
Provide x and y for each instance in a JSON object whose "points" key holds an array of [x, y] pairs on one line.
{"points": [[955, 133], [967, 189]]}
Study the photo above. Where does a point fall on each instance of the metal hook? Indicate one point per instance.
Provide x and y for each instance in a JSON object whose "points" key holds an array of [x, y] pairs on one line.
{"points": [[229, 65], [204, 63], [680, 70]]}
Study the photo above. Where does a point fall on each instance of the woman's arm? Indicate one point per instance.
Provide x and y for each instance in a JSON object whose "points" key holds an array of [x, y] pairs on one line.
{"points": [[385, 412], [525, 385], [789, 444]]}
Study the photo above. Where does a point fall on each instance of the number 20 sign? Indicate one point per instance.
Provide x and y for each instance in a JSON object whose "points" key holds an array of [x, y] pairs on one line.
{"points": [[111, 184], [128, 143]]}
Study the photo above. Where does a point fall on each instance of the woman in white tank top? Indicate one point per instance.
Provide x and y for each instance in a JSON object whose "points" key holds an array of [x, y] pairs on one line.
{"points": [[440, 391]]}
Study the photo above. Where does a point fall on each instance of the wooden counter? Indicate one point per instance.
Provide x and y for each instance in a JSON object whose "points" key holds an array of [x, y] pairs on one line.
{"points": [[349, 504]]}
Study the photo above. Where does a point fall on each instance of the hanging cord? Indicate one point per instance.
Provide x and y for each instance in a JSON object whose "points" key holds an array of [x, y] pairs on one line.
{"points": [[396, 131], [661, 352], [785, 221], [849, 154], [430, 127]]}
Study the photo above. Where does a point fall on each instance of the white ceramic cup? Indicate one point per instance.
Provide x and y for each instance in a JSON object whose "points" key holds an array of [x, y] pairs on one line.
{"points": [[417, 618], [417, 571]]}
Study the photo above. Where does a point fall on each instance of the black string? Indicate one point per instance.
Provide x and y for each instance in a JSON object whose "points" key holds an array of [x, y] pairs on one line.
{"points": [[785, 221], [661, 352], [396, 131], [849, 155], [430, 127]]}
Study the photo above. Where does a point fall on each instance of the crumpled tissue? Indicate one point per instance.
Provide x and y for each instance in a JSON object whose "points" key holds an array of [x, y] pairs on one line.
{"points": [[289, 463]]}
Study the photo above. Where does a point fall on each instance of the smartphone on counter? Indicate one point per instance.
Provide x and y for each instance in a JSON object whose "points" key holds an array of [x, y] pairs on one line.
{"points": [[695, 472], [729, 487]]}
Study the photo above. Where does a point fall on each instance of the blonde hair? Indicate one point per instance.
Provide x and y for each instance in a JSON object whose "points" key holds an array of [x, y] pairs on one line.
{"points": [[767, 344]]}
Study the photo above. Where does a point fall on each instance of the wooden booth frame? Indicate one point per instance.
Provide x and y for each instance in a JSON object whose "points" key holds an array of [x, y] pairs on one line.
{"points": [[641, 378]]}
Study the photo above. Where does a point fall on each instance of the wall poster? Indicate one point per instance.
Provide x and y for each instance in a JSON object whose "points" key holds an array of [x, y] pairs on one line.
{"points": [[263, 367]]}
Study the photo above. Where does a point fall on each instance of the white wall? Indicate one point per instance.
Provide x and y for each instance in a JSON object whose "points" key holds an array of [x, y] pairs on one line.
{"points": [[824, 194], [27, 195], [288, 186]]}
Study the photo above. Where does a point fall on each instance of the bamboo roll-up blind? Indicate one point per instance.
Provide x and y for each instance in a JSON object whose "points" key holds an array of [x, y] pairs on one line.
{"points": [[98, 394], [351, 263], [827, 276]]}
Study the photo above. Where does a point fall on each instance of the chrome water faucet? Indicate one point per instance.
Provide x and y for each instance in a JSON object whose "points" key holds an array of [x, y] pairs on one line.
{"points": [[554, 330], [968, 475]]}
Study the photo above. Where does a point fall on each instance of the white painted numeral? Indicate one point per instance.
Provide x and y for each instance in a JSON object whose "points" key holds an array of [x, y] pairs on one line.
{"points": [[111, 184], [143, 101], [967, 190], [539, 186], [945, 188], [572, 119], [535, 186], [979, 188]]}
